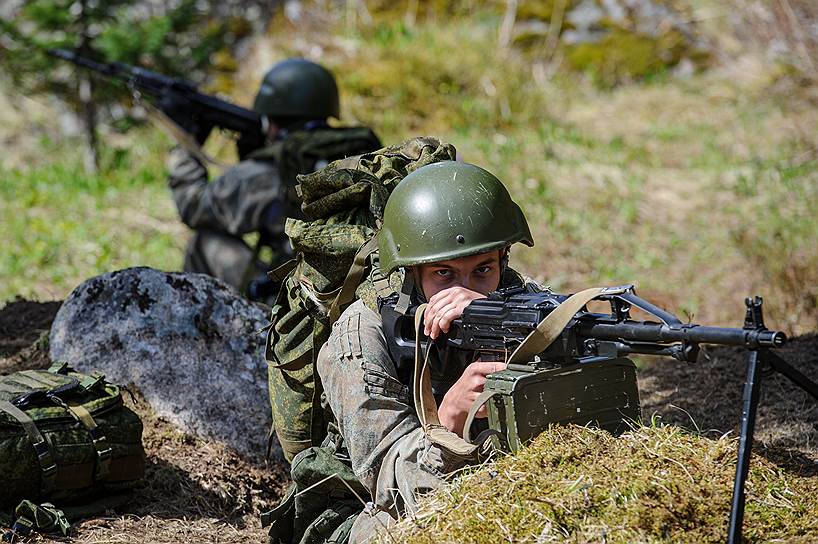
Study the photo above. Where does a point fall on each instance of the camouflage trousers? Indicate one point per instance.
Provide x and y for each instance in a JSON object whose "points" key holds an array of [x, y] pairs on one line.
{"points": [[223, 256]]}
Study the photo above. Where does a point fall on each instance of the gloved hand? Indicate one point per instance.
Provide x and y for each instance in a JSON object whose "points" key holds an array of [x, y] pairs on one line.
{"points": [[182, 112], [249, 142]]}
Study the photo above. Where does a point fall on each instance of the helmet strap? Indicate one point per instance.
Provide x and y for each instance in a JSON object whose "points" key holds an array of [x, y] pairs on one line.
{"points": [[406, 289], [505, 253]]}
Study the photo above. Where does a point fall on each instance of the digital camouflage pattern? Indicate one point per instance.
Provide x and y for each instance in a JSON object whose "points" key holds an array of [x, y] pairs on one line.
{"points": [[79, 441], [256, 195], [343, 207], [315, 511], [375, 428], [248, 197]]}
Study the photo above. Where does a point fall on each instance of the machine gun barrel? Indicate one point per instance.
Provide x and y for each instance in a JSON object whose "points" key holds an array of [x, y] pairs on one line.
{"points": [[636, 331]]}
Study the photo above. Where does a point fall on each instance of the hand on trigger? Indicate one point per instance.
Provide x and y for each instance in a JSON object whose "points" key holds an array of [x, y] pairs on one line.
{"points": [[459, 399]]}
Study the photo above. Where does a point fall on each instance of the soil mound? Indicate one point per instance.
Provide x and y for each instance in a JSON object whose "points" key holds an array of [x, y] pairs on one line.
{"points": [[581, 485], [22, 322], [707, 395]]}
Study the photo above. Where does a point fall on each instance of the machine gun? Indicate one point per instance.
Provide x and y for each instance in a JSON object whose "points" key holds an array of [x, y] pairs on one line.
{"points": [[195, 112], [569, 365]]}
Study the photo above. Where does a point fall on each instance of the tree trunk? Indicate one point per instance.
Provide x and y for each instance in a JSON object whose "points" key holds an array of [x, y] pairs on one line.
{"points": [[87, 109], [88, 116]]}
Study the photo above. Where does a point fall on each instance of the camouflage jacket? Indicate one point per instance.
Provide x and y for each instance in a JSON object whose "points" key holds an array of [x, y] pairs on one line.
{"points": [[376, 419], [388, 449], [247, 197]]}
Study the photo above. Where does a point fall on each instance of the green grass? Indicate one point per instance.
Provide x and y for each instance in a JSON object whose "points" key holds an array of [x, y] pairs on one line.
{"points": [[699, 190], [62, 225]]}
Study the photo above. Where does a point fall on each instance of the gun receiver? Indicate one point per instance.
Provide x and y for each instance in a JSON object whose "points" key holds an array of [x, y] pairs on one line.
{"points": [[195, 112], [495, 326]]}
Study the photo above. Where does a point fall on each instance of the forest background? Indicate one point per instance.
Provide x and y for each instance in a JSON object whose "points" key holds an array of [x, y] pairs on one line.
{"points": [[668, 144]]}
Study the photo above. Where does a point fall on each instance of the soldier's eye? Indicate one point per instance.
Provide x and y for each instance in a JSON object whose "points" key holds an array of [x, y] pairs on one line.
{"points": [[483, 270], [443, 273]]}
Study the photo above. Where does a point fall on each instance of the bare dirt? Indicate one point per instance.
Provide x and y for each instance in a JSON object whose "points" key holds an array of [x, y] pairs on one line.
{"points": [[707, 396], [24, 326]]}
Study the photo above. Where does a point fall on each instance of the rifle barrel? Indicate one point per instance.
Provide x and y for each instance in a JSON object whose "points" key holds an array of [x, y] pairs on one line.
{"points": [[639, 331]]}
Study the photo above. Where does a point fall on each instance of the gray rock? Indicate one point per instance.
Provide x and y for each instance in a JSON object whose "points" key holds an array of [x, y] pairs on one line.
{"points": [[188, 342]]}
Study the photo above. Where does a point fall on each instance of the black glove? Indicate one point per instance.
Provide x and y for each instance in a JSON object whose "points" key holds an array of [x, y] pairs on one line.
{"points": [[249, 142], [182, 112]]}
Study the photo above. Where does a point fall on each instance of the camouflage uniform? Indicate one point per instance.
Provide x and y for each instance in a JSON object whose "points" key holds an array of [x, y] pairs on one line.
{"points": [[387, 447], [249, 197], [375, 424]]}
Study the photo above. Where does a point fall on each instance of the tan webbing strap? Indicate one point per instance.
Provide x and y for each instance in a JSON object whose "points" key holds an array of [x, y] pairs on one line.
{"points": [[353, 279], [554, 323], [280, 272], [481, 399], [425, 404], [28, 381], [49, 381], [9, 388], [98, 439], [41, 447], [58, 367]]}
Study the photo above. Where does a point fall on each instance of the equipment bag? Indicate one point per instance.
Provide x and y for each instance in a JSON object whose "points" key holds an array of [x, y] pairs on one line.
{"points": [[301, 152], [305, 151], [343, 204], [65, 437]]}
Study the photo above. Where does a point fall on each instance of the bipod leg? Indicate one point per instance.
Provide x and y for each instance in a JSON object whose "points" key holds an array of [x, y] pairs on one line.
{"points": [[752, 388], [783, 367]]}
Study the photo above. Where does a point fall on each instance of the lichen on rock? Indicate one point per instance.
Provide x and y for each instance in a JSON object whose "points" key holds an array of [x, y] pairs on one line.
{"points": [[191, 344]]}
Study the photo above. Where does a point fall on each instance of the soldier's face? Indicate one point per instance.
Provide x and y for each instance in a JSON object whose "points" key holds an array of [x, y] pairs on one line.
{"points": [[480, 273]]}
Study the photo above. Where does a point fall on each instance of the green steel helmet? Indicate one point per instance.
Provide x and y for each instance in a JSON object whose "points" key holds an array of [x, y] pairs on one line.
{"points": [[447, 210], [298, 88]]}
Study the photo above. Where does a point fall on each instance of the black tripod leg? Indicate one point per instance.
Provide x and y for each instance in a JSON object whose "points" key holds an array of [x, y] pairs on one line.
{"points": [[752, 387]]}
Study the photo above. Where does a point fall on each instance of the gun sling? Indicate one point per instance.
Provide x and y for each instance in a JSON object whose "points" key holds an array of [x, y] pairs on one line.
{"points": [[41, 447], [548, 330], [426, 406]]}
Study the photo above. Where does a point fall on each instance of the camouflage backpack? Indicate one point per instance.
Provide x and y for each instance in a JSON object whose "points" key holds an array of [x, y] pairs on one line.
{"points": [[305, 151], [65, 437], [343, 207], [302, 152]]}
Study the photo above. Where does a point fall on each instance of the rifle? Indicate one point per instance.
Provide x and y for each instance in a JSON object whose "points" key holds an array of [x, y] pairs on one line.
{"points": [[566, 364], [195, 112]]}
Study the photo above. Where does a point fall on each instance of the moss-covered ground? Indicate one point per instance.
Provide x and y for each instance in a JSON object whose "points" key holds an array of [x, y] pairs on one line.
{"points": [[653, 484]]}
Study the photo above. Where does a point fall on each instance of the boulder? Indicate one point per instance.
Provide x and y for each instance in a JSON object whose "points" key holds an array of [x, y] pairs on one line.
{"points": [[191, 344]]}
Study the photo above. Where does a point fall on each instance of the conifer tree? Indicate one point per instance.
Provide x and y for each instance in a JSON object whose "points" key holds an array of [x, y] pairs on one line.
{"points": [[175, 38]]}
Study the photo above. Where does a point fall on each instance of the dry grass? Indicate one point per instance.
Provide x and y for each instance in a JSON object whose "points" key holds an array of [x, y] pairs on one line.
{"points": [[653, 484]]}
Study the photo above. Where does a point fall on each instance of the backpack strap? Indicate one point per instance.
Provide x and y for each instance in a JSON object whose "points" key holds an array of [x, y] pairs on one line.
{"points": [[353, 279], [41, 447], [98, 439], [9, 388], [59, 367], [43, 518]]}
